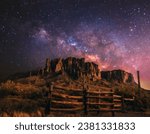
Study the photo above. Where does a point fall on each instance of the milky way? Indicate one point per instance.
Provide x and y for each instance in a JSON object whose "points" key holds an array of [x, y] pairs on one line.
{"points": [[114, 34]]}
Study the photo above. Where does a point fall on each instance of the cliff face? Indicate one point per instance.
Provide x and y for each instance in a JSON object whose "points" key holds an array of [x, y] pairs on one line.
{"points": [[117, 75], [77, 68], [74, 67]]}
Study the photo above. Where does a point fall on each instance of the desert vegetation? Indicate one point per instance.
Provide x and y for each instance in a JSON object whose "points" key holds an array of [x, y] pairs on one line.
{"points": [[21, 98], [28, 96]]}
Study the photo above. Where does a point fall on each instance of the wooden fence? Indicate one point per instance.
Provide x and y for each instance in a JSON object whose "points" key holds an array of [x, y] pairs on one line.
{"points": [[64, 99]]}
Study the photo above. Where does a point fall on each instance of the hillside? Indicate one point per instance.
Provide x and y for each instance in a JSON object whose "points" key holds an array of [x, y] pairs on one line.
{"points": [[27, 94]]}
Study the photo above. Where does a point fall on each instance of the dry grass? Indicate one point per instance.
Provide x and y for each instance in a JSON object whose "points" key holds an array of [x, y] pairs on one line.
{"points": [[38, 113], [15, 106], [21, 98], [25, 97]]}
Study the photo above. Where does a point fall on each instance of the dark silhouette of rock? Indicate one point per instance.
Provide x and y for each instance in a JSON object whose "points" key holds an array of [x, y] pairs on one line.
{"points": [[74, 67], [77, 68], [57, 65], [117, 75], [48, 66]]}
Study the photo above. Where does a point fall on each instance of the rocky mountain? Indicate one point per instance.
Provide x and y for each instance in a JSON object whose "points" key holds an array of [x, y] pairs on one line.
{"points": [[77, 68]]}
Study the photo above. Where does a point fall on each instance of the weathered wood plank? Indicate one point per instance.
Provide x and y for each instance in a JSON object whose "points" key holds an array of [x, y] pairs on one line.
{"points": [[117, 100], [100, 97], [117, 105], [67, 103], [94, 103], [68, 89], [105, 110], [66, 96], [128, 99], [66, 109], [97, 92], [117, 96]]}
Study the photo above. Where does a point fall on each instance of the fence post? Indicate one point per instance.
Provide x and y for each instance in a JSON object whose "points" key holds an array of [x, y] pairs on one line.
{"points": [[113, 112], [50, 96], [85, 99], [133, 103], [139, 83], [99, 100], [122, 100], [48, 99]]}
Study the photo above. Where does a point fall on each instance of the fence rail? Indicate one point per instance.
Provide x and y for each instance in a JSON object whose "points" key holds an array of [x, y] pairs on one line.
{"points": [[84, 100]]}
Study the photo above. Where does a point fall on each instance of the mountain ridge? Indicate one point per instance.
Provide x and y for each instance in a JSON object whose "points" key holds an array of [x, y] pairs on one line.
{"points": [[77, 68]]}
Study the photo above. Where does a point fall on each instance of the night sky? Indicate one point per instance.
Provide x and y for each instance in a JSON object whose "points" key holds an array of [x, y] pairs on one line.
{"points": [[113, 33]]}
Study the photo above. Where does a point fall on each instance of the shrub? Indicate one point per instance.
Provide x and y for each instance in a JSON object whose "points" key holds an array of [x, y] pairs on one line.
{"points": [[7, 92]]}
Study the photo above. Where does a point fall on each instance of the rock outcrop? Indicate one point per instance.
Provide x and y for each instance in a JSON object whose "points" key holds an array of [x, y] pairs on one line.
{"points": [[57, 65], [74, 67], [47, 66], [117, 75], [77, 68]]}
